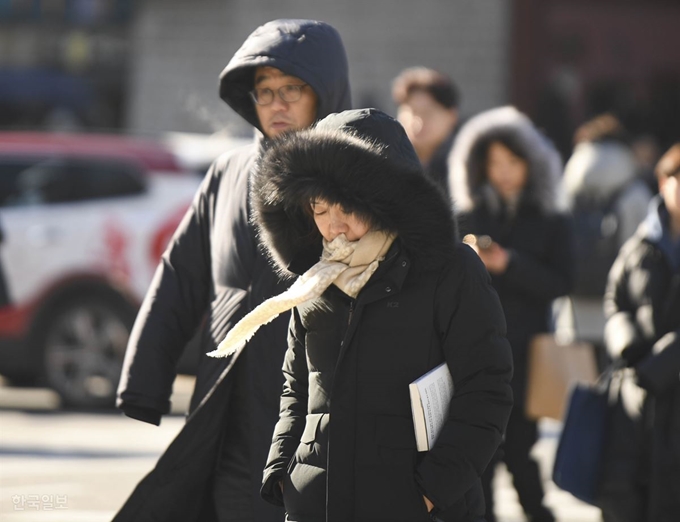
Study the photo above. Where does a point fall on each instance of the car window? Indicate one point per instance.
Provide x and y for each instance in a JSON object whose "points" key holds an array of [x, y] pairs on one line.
{"points": [[9, 175], [61, 180], [107, 179], [34, 181]]}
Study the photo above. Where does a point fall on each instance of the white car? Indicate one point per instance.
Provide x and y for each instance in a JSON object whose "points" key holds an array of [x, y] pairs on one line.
{"points": [[85, 220]]}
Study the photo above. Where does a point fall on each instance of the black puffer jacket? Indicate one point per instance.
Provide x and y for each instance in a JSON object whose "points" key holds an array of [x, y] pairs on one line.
{"points": [[345, 444], [213, 265], [539, 236], [642, 304]]}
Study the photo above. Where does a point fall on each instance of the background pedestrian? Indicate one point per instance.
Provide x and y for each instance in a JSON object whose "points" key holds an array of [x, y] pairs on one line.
{"points": [[427, 103], [642, 305], [505, 180]]}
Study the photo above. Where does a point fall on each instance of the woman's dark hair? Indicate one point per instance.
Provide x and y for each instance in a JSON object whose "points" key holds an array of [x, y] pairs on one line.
{"points": [[479, 154]]}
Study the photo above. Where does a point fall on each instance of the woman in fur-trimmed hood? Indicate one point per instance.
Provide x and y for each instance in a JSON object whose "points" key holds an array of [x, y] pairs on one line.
{"points": [[505, 175], [386, 294], [468, 176]]}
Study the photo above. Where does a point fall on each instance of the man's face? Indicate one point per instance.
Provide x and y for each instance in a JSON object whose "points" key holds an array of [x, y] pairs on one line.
{"points": [[280, 116], [427, 123]]}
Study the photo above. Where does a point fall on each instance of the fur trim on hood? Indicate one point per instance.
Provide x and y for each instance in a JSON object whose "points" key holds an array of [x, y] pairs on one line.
{"points": [[363, 161], [467, 181], [308, 49], [598, 170]]}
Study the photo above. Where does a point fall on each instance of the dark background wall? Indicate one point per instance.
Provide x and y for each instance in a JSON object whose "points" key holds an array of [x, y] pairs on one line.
{"points": [[573, 59]]}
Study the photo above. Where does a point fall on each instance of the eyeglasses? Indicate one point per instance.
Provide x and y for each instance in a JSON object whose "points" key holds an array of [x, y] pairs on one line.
{"points": [[288, 93]]}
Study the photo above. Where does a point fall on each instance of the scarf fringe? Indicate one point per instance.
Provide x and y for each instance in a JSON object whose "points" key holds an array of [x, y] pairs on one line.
{"points": [[312, 284]]}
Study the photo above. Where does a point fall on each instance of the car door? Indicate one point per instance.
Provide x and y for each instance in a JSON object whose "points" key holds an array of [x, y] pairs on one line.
{"points": [[68, 217]]}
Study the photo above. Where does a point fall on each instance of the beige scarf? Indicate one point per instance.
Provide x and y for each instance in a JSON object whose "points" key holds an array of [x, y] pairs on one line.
{"points": [[347, 264]]}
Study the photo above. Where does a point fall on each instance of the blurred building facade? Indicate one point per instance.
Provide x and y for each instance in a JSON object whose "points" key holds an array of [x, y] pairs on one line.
{"points": [[64, 63], [182, 47], [152, 65], [574, 59]]}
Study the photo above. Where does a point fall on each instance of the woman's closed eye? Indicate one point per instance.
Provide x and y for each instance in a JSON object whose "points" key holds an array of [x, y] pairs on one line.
{"points": [[319, 209]]}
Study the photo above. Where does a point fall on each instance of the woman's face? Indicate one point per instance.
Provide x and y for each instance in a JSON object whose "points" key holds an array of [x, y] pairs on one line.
{"points": [[332, 221], [507, 172], [669, 188]]}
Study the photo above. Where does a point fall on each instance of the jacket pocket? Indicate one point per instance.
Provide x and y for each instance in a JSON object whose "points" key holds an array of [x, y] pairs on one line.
{"points": [[304, 486], [311, 427], [313, 441]]}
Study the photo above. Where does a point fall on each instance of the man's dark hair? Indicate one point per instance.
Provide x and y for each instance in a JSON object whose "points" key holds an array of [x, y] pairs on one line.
{"points": [[604, 127], [422, 79]]}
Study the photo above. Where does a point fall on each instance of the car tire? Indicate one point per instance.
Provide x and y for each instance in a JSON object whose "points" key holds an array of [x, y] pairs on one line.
{"points": [[83, 346]]}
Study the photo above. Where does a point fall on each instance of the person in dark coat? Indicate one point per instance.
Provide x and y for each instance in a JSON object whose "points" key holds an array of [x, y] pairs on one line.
{"points": [[287, 74], [642, 305], [427, 106], [506, 181], [608, 200], [386, 294]]}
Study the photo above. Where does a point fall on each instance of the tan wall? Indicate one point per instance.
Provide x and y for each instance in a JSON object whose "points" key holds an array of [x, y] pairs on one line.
{"points": [[181, 47]]}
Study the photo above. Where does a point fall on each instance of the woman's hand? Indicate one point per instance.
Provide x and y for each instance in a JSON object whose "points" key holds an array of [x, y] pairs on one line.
{"points": [[494, 257], [430, 505]]}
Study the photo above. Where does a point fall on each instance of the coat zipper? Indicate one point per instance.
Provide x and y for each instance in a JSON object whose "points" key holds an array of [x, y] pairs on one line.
{"points": [[349, 322]]}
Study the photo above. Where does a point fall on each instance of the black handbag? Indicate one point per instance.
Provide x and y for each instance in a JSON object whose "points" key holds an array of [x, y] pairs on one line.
{"points": [[580, 451]]}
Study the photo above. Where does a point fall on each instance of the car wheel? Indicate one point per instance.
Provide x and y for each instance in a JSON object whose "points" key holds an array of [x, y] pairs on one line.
{"points": [[84, 346]]}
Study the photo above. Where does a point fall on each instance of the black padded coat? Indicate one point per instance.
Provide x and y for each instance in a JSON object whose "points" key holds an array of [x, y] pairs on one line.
{"points": [[344, 445], [642, 304]]}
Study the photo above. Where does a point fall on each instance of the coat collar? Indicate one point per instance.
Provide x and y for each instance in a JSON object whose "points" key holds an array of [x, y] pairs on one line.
{"points": [[389, 278], [654, 230]]}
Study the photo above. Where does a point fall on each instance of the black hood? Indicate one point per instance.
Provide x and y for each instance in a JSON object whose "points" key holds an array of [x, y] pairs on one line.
{"points": [[310, 50], [363, 161]]}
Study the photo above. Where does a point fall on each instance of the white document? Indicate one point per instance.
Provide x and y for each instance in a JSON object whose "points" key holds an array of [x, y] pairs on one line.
{"points": [[430, 398]]}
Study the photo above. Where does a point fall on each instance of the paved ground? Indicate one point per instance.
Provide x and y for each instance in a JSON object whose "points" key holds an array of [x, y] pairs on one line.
{"points": [[73, 467]]}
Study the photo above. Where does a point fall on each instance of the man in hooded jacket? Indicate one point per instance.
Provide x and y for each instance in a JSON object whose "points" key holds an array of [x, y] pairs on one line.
{"points": [[286, 75]]}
